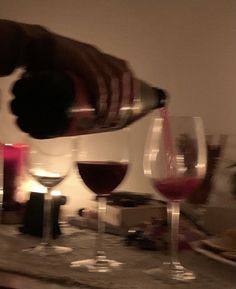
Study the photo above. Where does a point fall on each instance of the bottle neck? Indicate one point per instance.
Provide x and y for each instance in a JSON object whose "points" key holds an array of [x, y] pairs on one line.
{"points": [[149, 98]]}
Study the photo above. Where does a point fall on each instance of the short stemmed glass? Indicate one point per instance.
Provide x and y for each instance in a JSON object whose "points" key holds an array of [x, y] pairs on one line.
{"points": [[49, 162], [102, 162], [175, 163]]}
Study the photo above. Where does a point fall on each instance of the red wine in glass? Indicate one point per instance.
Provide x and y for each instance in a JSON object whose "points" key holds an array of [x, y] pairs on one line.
{"points": [[175, 163], [102, 163], [102, 177], [177, 189]]}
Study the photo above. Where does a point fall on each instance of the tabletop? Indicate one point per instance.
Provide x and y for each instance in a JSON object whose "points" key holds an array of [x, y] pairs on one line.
{"points": [[22, 271]]}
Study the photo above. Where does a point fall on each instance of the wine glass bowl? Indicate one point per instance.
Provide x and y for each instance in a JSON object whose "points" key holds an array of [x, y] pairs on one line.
{"points": [[175, 164], [49, 162], [93, 175], [102, 162]]}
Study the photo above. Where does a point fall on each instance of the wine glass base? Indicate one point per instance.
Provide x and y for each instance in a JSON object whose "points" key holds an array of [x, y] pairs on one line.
{"points": [[47, 250], [172, 272], [96, 265]]}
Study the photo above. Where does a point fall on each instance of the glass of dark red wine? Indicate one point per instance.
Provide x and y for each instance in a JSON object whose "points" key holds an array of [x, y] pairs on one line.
{"points": [[49, 162], [175, 164], [102, 162]]}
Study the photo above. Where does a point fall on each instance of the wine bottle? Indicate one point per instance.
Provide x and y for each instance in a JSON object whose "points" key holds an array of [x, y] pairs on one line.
{"points": [[51, 104]]}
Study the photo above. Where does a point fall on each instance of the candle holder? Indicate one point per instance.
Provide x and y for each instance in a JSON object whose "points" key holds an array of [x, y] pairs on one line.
{"points": [[33, 216]]}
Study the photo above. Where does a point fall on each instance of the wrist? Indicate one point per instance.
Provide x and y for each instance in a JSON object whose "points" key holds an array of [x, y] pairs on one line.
{"points": [[39, 47], [13, 45]]}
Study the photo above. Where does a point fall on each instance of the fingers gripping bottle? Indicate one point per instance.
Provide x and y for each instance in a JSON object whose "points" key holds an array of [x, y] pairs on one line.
{"points": [[54, 104]]}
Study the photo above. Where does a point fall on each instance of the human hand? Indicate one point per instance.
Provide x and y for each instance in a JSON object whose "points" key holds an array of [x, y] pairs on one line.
{"points": [[110, 81], [43, 98]]}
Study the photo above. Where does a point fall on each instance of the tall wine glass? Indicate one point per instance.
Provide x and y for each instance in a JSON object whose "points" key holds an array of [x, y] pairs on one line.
{"points": [[102, 162], [49, 162], [175, 163]]}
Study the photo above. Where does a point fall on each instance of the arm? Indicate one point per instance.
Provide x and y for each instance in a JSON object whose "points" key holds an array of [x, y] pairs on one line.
{"points": [[109, 79], [17, 42]]}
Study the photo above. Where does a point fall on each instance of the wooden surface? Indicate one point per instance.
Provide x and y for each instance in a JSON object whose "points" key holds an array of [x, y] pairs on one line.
{"points": [[34, 272], [16, 281]]}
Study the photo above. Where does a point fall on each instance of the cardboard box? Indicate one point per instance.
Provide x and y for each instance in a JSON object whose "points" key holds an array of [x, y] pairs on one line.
{"points": [[120, 219], [127, 217]]}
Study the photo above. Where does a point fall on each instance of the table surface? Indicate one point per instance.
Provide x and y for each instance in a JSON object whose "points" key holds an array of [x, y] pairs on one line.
{"points": [[211, 274], [17, 281]]}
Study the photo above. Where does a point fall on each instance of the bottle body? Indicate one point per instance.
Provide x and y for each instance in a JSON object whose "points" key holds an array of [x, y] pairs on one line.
{"points": [[83, 118], [51, 104]]}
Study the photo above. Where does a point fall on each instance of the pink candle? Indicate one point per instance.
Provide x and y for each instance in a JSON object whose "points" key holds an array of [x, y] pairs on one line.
{"points": [[13, 161]]}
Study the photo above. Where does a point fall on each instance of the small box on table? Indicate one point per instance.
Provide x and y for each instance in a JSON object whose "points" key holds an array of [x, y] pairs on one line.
{"points": [[124, 211]]}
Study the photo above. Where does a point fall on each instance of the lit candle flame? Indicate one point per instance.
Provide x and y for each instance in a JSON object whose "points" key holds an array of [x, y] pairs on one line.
{"points": [[33, 186]]}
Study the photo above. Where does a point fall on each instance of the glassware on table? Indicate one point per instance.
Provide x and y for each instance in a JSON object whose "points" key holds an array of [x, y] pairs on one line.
{"points": [[175, 163], [102, 162], [49, 162]]}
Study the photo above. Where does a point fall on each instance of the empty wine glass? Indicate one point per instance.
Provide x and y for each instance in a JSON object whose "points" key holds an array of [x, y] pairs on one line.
{"points": [[49, 162], [102, 162], [175, 163]]}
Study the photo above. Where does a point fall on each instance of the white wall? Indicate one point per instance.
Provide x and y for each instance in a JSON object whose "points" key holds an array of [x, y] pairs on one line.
{"points": [[185, 46]]}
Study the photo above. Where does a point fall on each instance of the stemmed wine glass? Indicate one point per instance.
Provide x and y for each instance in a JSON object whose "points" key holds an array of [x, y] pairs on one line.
{"points": [[49, 162], [175, 163], [102, 162]]}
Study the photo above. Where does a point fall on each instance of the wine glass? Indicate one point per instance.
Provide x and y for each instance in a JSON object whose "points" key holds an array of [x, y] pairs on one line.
{"points": [[175, 163], [102, 162], [49, 162]]}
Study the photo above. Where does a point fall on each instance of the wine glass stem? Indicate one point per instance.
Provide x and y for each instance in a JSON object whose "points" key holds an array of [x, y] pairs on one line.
{"points": [[174, 212], [47, 218], [102, 207]]}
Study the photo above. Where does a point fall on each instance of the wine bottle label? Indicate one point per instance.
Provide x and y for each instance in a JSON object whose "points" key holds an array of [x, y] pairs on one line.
{"points": [[129, 93], [130, 100], [121, 101], [82, 115]]}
